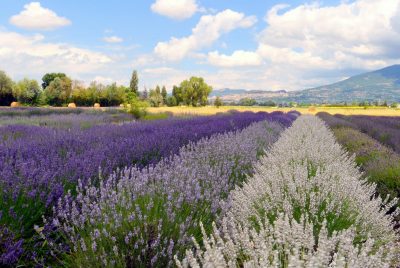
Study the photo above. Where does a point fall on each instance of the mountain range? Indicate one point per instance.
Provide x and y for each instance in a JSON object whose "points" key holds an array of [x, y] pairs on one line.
{"points": [[379, 85]]}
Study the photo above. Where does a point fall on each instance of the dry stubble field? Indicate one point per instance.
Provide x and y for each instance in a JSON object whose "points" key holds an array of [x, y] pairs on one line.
{"points": [[209, 110]]}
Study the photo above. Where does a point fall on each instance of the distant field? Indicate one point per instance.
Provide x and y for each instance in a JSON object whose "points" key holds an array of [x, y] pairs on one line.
{"points": [[209, 110]]}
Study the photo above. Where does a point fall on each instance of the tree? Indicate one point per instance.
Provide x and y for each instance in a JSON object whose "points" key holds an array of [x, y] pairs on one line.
{"points": [[189, 95], [83, 96], [247, 102], [58, 92], [164, 94], [269, 103], [6, 88], [218, 102], [177, 93], [80, 96], [95, 91], [113, 95], [155, 97], [195, 91], [134, 84], [135, 106], [158, 90], [49, 77], [171, 101], [27, 91]]}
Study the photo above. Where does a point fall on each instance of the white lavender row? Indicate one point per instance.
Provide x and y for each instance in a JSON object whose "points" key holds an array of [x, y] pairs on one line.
{"points": [[305, 206], [287, 243], [145, 217]]}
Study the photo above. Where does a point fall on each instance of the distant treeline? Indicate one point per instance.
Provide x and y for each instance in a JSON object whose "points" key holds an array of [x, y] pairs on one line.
{"points": [[271, 103], [57, 89]]}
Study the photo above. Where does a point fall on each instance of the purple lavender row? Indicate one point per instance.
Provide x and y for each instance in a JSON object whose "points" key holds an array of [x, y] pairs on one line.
{"points": [[66, 121], [146, 216], [385, 129], [41, 161]]}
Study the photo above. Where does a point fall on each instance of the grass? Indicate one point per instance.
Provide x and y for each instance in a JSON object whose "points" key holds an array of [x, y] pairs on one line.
{"points": [[211, 110]]}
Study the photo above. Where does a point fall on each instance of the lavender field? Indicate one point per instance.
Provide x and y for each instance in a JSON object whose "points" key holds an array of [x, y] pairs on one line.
{"points": [[236, 189], [40, 164]]}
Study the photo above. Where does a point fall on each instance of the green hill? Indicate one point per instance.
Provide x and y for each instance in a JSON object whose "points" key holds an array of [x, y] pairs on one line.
{"points": [[380, 85]]}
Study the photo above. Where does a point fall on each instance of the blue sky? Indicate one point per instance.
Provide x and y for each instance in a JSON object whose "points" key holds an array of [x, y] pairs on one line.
{"points": [[267, 45]]}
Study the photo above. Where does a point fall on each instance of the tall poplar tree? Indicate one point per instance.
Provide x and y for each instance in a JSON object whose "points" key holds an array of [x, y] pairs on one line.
{"points": [[134, 84], [164, 94]]}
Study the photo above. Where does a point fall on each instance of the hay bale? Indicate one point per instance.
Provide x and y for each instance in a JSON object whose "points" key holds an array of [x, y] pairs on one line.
{"points": [[96, 105], [15, 104], [312, 109], [71, 105]]}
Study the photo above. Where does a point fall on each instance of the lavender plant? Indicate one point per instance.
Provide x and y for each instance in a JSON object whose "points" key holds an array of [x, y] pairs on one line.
{"points": [[306, 183], [382, 128], [43, 111], [10, 250], [67, 121], [145, 217], [335, 121], [38, 164], [286, 243]]}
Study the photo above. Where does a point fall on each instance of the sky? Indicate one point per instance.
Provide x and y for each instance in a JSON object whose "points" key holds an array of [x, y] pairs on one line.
{"points": [[240, 44]]}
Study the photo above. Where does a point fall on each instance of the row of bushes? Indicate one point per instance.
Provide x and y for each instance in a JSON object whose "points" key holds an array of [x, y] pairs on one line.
{"points": [[60, 92], [380, 164], [306, 206], [58, 89]]}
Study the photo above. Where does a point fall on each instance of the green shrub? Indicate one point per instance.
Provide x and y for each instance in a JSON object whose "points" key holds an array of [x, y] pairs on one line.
{"points": [[135, 106]]}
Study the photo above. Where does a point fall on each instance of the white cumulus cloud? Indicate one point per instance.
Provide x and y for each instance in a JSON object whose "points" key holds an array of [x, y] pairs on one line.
{"points": [[355, 34], [113, 39], [23, 55], [238, 58], [36, 17], [175, 9], [312, 44], [205, 33]]}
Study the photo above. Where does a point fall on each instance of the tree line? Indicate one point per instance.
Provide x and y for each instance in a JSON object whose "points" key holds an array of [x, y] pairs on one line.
{"points": [[192, 92], [57, 89]]}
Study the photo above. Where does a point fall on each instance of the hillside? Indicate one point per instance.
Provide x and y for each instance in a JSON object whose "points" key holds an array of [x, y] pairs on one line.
{"points": [[234, 95], [379, 85], [383, 84]]}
